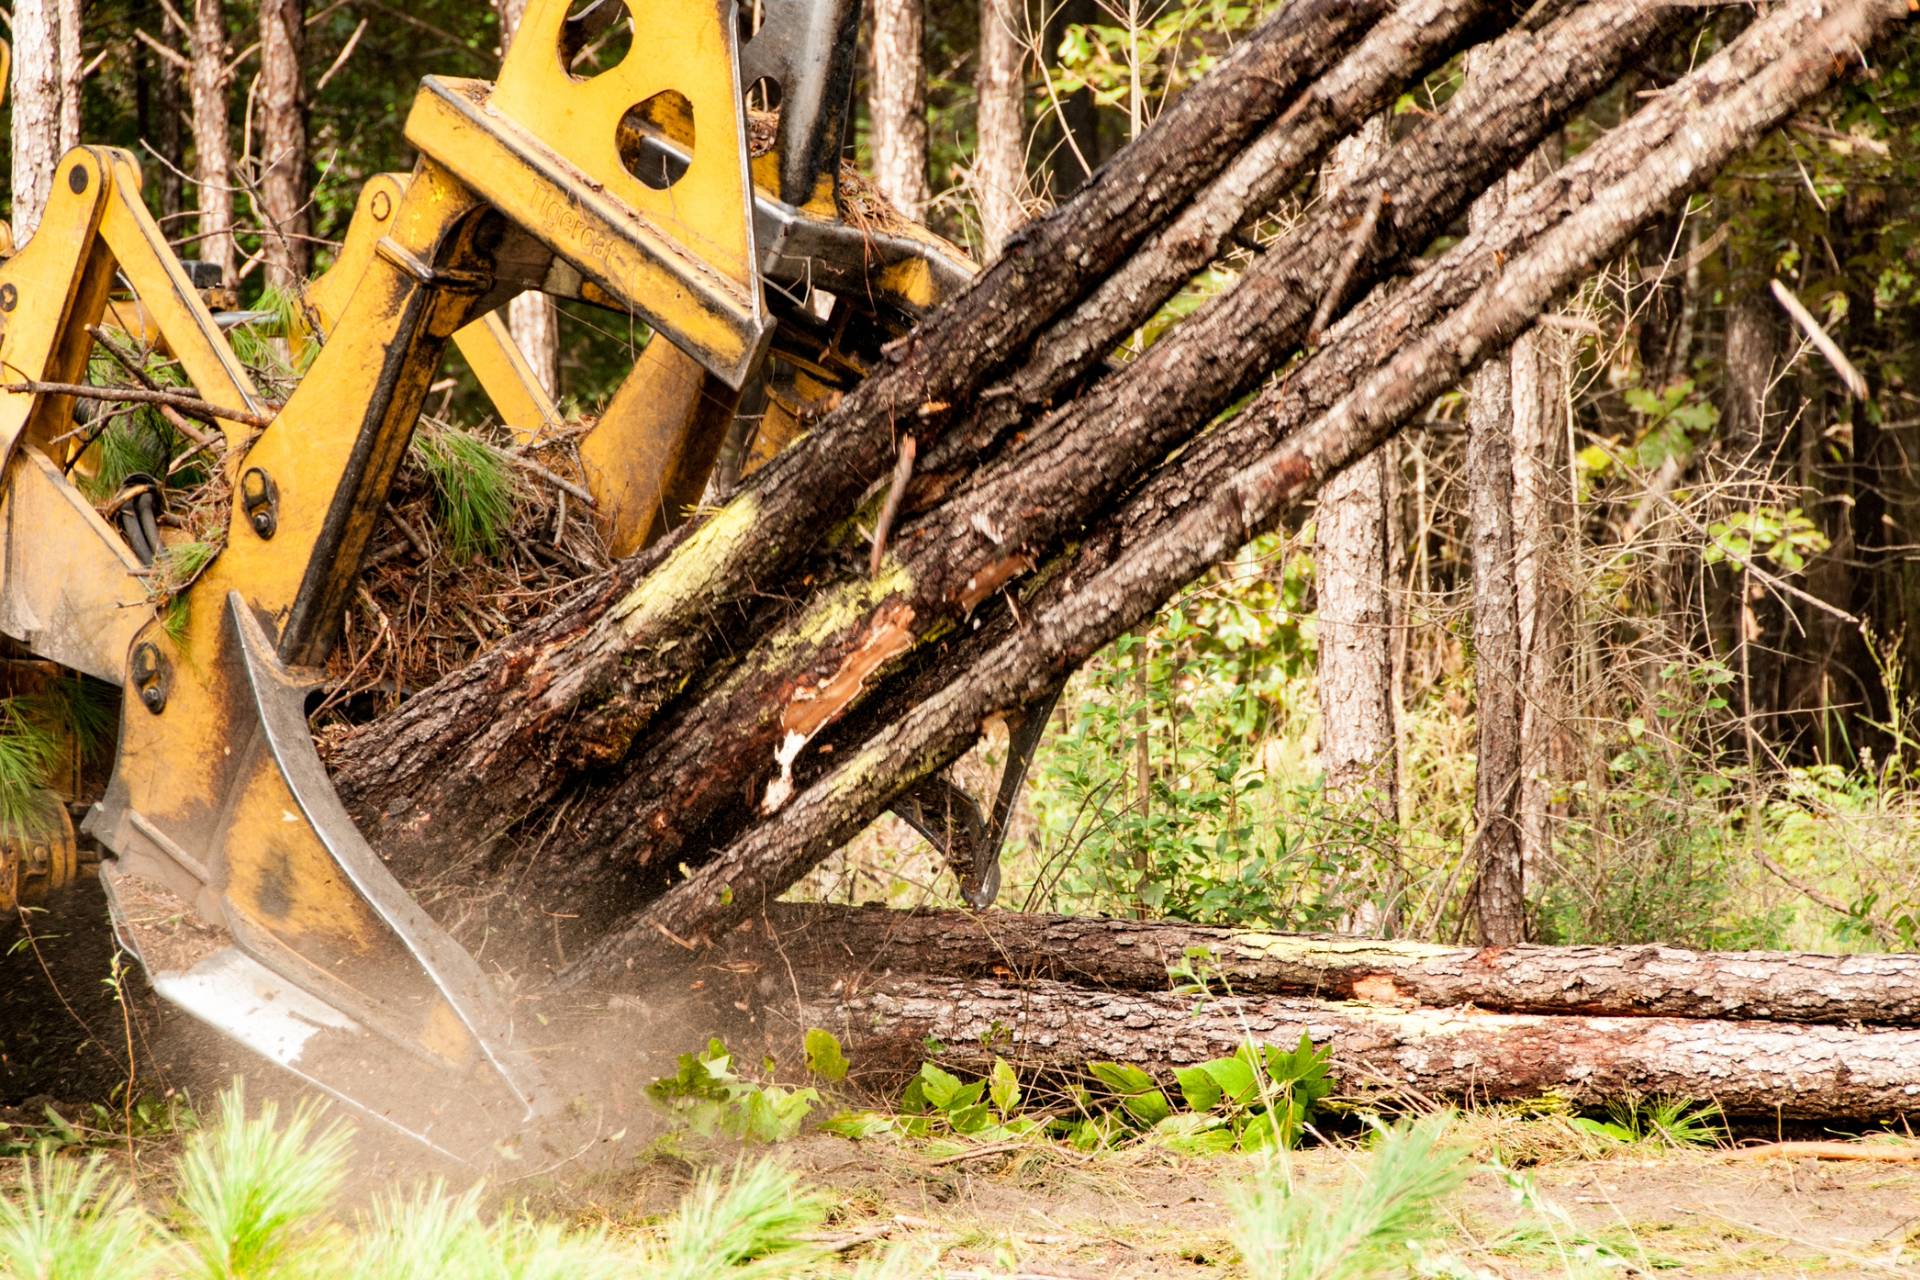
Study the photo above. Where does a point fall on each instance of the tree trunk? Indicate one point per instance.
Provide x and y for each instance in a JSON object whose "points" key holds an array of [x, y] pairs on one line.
{"points": [[897, 105], [1602, 199], [509, 733], [283, 138], [1352, 556], [1757, 1069], [72, 63], [532, 318], [1498, 894], [1000, 151], [1542, 522], [212, 147], [1133, 955], [36, 111]]}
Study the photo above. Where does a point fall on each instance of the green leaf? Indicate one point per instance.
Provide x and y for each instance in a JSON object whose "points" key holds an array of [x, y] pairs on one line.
{"points": [[859, 1125], [1003, 1087], [1198, 1088], [824, 1056], [938, 1088], [1235, 1078]]}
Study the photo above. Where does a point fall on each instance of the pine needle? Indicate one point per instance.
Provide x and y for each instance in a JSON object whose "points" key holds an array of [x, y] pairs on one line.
{"points": [[1289, 1236], [74, 1221]]}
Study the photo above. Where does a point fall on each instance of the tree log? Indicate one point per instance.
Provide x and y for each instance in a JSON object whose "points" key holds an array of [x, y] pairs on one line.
{"points": [[1380, 1053], [1167, 534], [488, 745], [1135, 956]]}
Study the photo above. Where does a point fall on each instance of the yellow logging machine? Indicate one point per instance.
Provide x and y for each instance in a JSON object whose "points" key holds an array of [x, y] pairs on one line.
{"points": [[233, 871]]}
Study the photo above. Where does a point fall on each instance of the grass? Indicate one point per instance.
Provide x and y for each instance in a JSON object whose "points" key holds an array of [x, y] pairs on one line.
{"points": [[31, 748], [258, 1194]]}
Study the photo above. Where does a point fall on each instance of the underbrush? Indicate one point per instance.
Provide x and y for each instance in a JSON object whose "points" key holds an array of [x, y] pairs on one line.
{"points": [[1180, 778]]}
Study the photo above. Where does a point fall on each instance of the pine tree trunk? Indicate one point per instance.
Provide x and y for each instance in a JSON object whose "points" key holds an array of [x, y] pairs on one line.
{"points": [[283, 139], [35, 96], [212, 146], [532, 318], [897, 105], [1542, 515], [1499, 889], [1352, 549], [1000, 154], [1133, 955], [1749, 1069], [72, 63]]}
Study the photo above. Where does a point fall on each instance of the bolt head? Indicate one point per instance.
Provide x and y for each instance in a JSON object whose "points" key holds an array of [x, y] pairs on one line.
{"points": [[151, 698], [381, 206]]}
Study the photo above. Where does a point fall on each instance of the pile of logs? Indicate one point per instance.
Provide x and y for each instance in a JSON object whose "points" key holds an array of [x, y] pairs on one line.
{"points": [[695, 729], [1763, 1034]]}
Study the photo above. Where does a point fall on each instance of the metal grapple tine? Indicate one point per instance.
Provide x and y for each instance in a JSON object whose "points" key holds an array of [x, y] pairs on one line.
{"points": [[950, 819]]}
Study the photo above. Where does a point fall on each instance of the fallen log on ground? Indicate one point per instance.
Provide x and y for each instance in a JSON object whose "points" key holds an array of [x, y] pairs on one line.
{"points": [[1135, 956], [1770, 1069]]}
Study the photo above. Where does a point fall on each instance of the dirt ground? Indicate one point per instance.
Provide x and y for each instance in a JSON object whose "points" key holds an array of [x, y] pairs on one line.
{"points": [[1052, 1213]]}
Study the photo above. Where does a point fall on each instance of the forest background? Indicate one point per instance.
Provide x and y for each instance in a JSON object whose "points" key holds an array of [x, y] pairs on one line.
{"points": [[1677, 697]]}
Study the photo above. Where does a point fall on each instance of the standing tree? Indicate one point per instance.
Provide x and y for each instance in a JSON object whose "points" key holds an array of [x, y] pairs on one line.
{"points": [[1499, 887], [72, 68], [283, 136], [207, 82], [897, 105], [532, 317], [1000, 157], [36, 110], [1352, 550]]}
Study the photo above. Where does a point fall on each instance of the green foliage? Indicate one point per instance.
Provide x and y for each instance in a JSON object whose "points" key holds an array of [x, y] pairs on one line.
{"points": [[432, 1234], [1664, 1122], [1211, 699], [1372, 1230], [748, 1226], [707, 1096], [473, 486], [68, 1219], [1257, 1099], [1786, 538], [253, 1191], [31, 748]]}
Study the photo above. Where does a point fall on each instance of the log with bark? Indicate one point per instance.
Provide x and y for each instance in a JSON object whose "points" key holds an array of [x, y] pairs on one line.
{"points": [[742, 699], [1385, 1054], [1761, 1034], [1138, 956]]}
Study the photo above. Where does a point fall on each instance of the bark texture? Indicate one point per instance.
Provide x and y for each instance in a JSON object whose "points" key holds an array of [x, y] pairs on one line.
{"points": [[1726, 107], [283, 138], [35, 98], [72, 64], [212, 146], [1000, 155], [1352, 556], [858, 944], [1499, 885], [897, 105], [1748, 1068]]}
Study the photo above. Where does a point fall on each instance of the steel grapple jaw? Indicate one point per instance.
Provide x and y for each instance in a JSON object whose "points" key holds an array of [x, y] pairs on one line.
{"points": [[258, 908]]}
